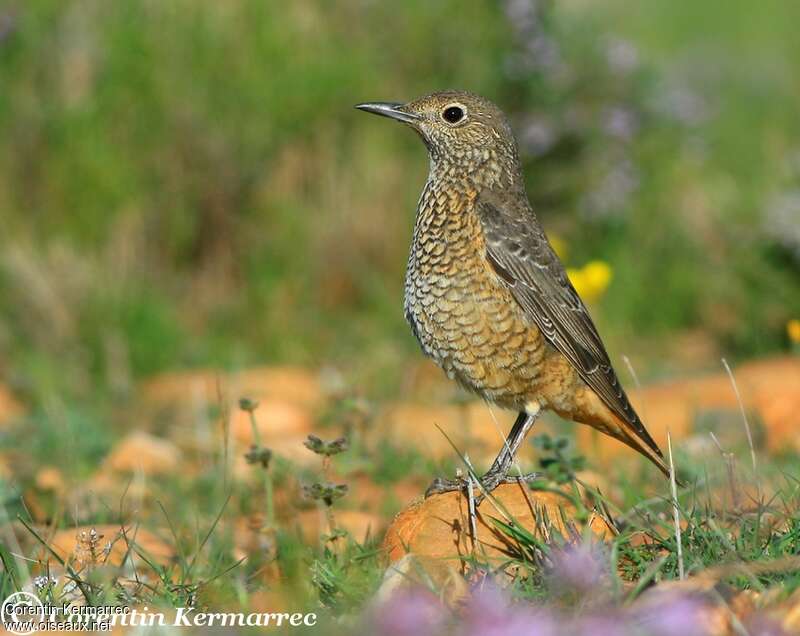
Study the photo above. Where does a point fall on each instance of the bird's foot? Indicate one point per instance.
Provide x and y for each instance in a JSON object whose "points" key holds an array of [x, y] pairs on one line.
{"points": [[488, 483], [440, 485], [490, 480]]}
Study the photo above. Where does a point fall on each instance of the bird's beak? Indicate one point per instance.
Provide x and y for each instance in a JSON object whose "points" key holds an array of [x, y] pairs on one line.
{"points": [[392, 110]]}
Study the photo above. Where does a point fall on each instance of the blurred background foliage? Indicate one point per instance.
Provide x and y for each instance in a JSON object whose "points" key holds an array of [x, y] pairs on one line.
{"points": [[186, 183]]}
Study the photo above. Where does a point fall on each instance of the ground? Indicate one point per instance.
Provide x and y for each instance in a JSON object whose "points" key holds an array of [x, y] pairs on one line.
{"points": [[230, 490]]}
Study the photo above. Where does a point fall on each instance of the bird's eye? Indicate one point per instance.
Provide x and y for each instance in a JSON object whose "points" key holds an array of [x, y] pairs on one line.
{"points": [[453, 114]]}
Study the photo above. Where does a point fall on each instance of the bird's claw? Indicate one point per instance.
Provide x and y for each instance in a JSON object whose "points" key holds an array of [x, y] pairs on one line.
{"points": [[440, 485], [488, 483]]}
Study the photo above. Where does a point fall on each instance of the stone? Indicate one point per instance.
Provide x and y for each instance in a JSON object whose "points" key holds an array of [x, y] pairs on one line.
{"points": [[290, 384], [10, 408], [111, 544], [49, 478], [143, 452], [437, 530], [770, 394], [359, 524], [475, 428]]}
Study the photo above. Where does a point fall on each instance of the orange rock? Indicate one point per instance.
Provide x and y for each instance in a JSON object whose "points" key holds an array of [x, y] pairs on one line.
{"points": [[183, 386], [414, 572], [475, 428], [365, 494], [789, 613], [143, 452], [49, 478], [289, 384], [5, 469], [769, 388], [10, 408], [313, 523], [255, 540], [91, 544], [286, 383], [270, 601], [773, 387], [438, 527], [425, 380], [275, 419]]}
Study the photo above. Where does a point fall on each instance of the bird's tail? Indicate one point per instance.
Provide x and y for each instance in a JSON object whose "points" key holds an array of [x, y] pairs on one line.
{"points": [[587, 408]]}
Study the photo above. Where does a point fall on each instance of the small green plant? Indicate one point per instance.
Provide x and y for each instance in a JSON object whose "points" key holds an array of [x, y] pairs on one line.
{"points": [[558, 466], [260, 455], [326, 449], [326, 491]]}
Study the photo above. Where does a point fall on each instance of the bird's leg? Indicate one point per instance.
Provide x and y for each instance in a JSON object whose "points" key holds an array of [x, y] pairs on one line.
{"points": [[498, 473]]}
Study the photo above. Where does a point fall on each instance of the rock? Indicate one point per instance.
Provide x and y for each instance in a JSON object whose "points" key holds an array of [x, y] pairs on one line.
{"points": [[292, 384], [144, 452], [769, 389], [313, 523], [475, 428], [254, 539], [436, 529], [282, 427], [181, 387], [10, 408], [772, 387], [89, 545], [410, 572], [425, 380], [5, 468], [287, 399], [288, 384], [365, 494], [275, 420], [49, 478], [788, 613], [272, 600]]}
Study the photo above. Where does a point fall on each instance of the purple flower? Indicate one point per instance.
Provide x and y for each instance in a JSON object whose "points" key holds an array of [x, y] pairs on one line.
{"points": [[672, 614], [412, 613], [621, 55], [620, 122], [8, 25], [760, 625], [612, 191], [682, 104], [596, 624], [578, 567], [537, 137], [536, 50], [780, 220], [490, 613]]}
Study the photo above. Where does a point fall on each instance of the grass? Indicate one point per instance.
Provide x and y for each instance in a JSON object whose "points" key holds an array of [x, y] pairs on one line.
{"points": [[154, 209], [745, 538]]}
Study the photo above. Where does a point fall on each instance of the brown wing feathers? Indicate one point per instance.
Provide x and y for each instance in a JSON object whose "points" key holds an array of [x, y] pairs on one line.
{"points": [[519, 252]]}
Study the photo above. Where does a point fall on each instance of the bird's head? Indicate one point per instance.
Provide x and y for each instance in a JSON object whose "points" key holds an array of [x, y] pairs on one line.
{"points": [[465, 134]]}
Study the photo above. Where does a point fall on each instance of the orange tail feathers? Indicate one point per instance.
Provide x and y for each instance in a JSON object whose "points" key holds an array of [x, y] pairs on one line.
{"points": [[587, 408]]}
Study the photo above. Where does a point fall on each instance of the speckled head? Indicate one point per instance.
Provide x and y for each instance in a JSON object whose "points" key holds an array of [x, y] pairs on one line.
{"points": [[462, 131]]}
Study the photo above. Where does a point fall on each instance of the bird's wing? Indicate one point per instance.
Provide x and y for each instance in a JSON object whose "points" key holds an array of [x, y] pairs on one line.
{"points": [[519, 252]]}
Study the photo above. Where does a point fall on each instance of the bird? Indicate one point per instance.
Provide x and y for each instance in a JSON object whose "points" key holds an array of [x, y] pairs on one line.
{"points": [[486, 295]]}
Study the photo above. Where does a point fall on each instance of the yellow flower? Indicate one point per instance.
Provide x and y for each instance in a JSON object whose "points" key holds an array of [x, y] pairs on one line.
{"points": [[592, 280], [793, 330]]}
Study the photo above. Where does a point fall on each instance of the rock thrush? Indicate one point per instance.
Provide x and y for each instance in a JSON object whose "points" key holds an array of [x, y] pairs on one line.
{"points": [[486, 295]]}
